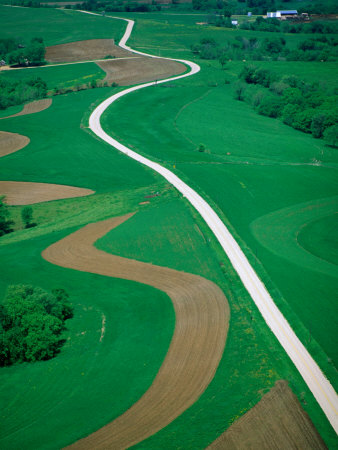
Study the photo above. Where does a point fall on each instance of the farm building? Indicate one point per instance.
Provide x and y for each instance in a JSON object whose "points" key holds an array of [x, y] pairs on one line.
{"points": [[286, 14]]}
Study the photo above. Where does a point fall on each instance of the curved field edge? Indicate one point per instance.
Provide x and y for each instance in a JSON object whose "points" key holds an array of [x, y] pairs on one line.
{"points": [[319, 237], [56, 392], [12, 142], [202, 315]]}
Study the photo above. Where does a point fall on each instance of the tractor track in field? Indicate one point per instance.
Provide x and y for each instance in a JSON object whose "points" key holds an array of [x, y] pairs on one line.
{"points": [[202, 317]]}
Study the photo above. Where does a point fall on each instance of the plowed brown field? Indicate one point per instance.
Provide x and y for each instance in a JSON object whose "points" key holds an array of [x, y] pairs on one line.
{"points": [[139, 70], [277, 422], [202, 316], [12, 142], [25, 193], [85, 50], [33, 107]]}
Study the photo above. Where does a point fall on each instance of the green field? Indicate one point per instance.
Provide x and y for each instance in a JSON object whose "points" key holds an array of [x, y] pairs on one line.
{"points": [[320, 238], [252, 167], [57, 26], [58, 77]]}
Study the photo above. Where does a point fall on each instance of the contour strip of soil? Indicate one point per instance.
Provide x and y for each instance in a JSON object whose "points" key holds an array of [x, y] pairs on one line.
{"points": [[277, 422], [139, 70], [27, 193], [202, 317], [85, 50], [12, 142], [32, 108]]}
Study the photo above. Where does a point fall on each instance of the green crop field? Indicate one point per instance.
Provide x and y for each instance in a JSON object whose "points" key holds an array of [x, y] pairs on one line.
{"points": [[255, 172], [58, 77], [57, 26]]}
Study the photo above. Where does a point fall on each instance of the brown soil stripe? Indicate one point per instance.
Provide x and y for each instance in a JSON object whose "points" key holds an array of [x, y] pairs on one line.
{"points": [[33, 107], [277, 422], [12, 142], [139, 70], [202, 317], [26, 193], [85, 50]]}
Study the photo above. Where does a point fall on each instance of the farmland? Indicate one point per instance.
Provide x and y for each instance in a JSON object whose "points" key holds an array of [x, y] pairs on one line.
{"points": [[247, 159]]}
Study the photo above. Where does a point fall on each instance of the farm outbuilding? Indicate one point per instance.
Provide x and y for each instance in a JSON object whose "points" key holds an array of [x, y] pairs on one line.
{"points": [[285, 14]]}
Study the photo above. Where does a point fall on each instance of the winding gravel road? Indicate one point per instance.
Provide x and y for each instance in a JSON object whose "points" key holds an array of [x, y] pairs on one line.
{"points": [[307, 367]]}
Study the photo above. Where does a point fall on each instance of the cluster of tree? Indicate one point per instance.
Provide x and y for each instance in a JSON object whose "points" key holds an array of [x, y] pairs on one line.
{"points": [[6, 224], [275, 25], [220, 19], [14, 52], [31, 323], [315, 49], [241, 48], [303, 106], [18, 92]]}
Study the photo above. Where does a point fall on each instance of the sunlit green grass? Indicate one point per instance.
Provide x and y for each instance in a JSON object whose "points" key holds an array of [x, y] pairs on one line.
{"points": [[58, 77]]}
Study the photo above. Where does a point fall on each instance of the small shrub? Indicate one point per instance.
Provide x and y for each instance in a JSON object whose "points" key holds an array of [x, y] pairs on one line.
{"points": [[331, 136]]}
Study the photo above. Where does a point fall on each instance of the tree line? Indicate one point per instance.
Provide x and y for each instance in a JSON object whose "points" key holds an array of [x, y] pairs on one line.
{"points": [[304, 106], [271, 48], [272, 25], [31, 323]]}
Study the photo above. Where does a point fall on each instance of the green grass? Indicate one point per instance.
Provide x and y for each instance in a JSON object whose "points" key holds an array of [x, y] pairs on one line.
{"points": [[58, 398], [250, 347], [67, 154], [57, 26], [320, 238], [11, 110], [256, 163], [58, 76]]}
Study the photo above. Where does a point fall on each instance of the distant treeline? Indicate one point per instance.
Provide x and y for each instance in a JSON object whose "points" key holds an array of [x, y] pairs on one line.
{"points": [[237, 7], [257, 7], [304, 106], [321, 48], [284, 26], [15, 52]]}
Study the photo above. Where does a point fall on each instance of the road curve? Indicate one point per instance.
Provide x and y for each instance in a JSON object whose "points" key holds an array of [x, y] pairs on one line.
{"points": [[201, 324], [305, 364]]}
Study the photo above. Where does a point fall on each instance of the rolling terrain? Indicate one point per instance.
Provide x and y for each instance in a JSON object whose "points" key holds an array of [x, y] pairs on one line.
{"points": [[252, 360]]}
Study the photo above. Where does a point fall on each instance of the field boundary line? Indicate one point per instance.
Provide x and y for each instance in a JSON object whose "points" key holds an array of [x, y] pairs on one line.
{"points": [[317, 382]]}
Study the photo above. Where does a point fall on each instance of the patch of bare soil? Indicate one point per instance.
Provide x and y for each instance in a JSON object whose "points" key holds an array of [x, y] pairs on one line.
{"points": [[202, 317], [85, 50], [12, 142], [139, 70], [33, 107], [26, 193], [277, 422]]}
